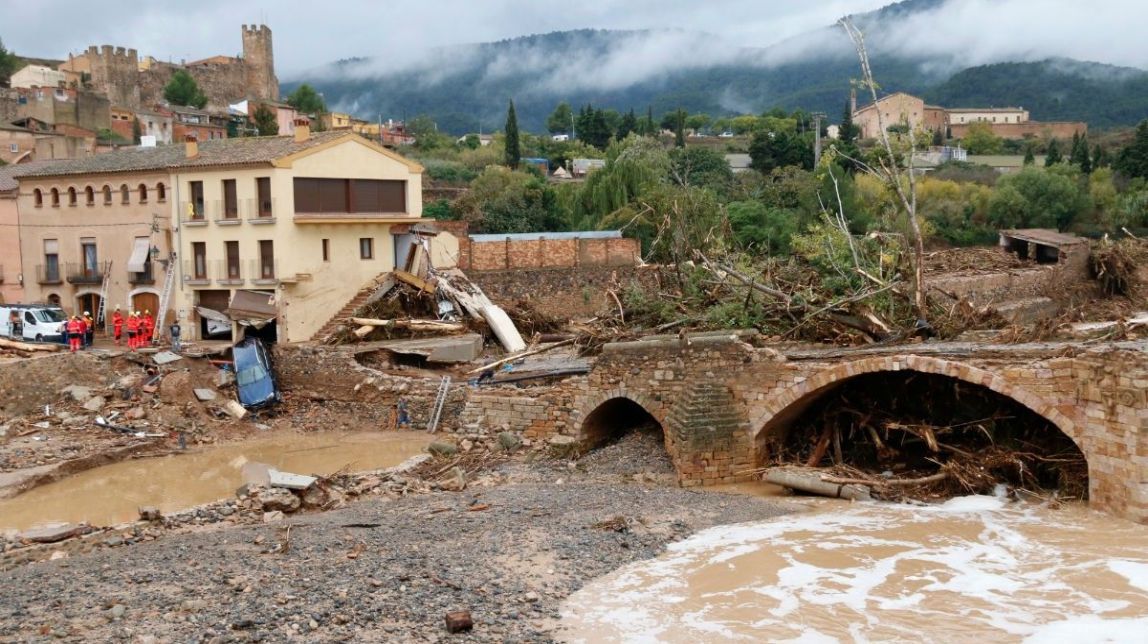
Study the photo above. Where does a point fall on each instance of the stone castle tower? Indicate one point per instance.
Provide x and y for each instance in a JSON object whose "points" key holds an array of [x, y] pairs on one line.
{"points": [[259, 62], [115, 72]]}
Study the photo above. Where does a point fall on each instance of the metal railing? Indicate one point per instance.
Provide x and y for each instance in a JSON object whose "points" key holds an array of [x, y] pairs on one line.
{"points": [[194, 212], [260, 208], [84, 273], [193, 275], [227, 272], [147, 276], [48, 274], [264, 272]]}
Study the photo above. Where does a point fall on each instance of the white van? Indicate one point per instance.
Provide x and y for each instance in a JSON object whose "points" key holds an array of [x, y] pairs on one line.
{"points": [[39, 322]]}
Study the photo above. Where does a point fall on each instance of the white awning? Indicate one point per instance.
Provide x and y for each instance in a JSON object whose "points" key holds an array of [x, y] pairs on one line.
{"points": [[140, 250]]}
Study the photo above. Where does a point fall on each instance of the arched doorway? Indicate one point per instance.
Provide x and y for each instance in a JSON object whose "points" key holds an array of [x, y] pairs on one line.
{"points": [[89, 303], [917, 424]]}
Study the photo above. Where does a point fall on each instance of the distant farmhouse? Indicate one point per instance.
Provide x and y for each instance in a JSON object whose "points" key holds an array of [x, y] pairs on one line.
{"points": [[1008, 122]]}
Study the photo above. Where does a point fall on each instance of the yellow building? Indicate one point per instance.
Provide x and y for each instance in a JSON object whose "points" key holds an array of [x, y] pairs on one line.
{"points": [[295, 223]]}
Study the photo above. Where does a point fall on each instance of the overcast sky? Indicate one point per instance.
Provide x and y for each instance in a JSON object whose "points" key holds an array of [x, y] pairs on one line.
{"points": [[308, 34]]}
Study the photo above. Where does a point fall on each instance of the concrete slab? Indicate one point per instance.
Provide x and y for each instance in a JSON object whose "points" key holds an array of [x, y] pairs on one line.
{"points": [[289, 481], [204, 395], [452, 349], [164, 357], [55, 532]]}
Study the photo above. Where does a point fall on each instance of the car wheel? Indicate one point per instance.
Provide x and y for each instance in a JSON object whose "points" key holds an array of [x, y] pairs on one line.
{"points": [[39, 338]]}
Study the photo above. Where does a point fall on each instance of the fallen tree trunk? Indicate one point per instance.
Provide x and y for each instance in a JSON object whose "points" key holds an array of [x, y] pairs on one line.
{"points": [[49, 347], [812, 481], [522, 354], [932, 478], [413, 325]]}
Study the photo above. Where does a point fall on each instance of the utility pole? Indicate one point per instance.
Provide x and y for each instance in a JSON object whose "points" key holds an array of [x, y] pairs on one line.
{"points": [[817, 116]]}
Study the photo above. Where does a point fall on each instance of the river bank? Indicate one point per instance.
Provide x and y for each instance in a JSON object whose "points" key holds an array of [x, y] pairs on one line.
{"points": [[379, 569]]}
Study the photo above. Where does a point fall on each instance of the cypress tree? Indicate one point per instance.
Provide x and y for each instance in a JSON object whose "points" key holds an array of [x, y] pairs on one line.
{"points": [[1029, 158], [513, 151], [1099, 158], [680, 128], [847, 133], [650, 130], [1053, 156]]}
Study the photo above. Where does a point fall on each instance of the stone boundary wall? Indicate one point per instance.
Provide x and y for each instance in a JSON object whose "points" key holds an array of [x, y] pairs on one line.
{"points": [[565, 292], [1058, 129], [1004, 286], [519, 254]]}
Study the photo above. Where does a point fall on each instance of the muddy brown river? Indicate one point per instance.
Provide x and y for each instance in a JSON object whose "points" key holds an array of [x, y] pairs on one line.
{"points": [[972, 568], [114, 493]]}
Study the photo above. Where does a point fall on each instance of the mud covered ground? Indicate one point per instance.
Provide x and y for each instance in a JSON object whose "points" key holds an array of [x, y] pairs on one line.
{"points": [[380, 570]]}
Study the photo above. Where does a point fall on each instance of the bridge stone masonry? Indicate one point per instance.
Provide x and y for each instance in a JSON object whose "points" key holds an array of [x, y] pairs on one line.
{"points": [[719, 398]]}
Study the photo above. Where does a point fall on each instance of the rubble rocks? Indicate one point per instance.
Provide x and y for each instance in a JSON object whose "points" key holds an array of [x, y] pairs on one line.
{"points": [[77, 393], [279, 499], [94, 404], [150, 513], [55, 533], [315, 496], [509, 441], [442, 449]]}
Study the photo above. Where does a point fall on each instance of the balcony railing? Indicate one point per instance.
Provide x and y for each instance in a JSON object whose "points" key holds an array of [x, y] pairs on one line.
{"points": [[259, 210], [83, 273], [198, 276], [147, 276], [264, 272], [194, 213], [230, 273], [225, 213], [48, 274]]}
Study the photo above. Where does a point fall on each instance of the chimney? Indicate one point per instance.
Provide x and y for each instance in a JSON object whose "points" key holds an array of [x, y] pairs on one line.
{"points": [[302, 129], [191, 146]]}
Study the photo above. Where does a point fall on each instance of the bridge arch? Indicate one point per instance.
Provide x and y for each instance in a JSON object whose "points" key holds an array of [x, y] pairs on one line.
{"points": [[598, 414], [787, 404]]}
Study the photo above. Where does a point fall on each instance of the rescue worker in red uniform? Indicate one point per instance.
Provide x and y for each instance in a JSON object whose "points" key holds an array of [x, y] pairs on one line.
{"points": [[117, 325], [89, 330], [75, 330], [148, 328], [133, 329]]}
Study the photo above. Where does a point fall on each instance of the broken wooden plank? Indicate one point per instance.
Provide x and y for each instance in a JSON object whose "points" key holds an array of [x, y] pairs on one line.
{"points": [[524, 354], [415, 281], [503, 328], [414, 325]]}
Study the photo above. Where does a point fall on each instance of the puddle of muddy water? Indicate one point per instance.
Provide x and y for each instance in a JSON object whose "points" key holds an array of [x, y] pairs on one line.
{"points": [[975, 567], [112, 494]]}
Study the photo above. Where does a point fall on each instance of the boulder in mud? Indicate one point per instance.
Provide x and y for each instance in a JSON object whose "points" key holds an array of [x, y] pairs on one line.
{"points": [[279, 499], [442, 449], [315, 496], [509, 441]]}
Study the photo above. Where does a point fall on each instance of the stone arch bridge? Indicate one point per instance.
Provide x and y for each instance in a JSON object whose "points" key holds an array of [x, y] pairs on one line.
{"points": [[717, 395]]}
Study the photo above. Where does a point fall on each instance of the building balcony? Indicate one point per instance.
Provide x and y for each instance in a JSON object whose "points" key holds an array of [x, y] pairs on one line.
{"points": [[264, 273], [49, 274], [355, 218], [197, 273], [83, 273], [259, 211], [193, 213], [229, 273], [145, 277]]}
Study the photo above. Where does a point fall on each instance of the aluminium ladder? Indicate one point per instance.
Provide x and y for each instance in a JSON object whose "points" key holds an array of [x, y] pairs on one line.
{"points": [[164, 300], [439, 402], [102, 308]]}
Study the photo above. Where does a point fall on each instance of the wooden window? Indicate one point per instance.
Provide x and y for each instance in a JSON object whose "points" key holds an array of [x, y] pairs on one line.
{"points": [[199, 263], [107, 195], [195, 188], [90, 196], [71, 196], [125, 194], [91, 259], [230, 200], [366, 248], [51, 260], [263, 192], [326, 250], [372, 195], [232, 251], [266, 259], [161, 193], [143, 193]]}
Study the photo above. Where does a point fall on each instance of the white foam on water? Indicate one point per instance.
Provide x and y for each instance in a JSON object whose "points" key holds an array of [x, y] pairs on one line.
{"points": [[964, 568]]}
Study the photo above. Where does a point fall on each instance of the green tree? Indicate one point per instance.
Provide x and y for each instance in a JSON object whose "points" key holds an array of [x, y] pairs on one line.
{"points": [[561, 119], [938, 138], [1029, 157], [980, 139], [1099, 158], [680, 128], [769, 150], [1052, 157], [501, 200], [427, 136], [439, 210], [698, 122], [848, 132], [8, 64], [183, 90], [649, 129], [1081, 156], [1038, 198], [513, 150], [592, 127], [628, 125], [700, 166], [757, 227], [306, 100], [265, 122], [1133, 159]]}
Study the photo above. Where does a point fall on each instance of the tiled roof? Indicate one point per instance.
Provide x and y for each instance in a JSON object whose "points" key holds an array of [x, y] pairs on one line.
{"points": [[9, 173], [213, 152]]}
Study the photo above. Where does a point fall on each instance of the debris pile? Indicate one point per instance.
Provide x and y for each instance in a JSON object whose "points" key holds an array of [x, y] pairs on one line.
{"points": [[918, 436]]}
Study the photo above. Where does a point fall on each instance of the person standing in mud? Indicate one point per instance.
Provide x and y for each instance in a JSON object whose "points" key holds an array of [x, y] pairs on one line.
{"points": [[148, 328], [89, 330], [175, 332], [75, 330], [16, 325], [117, 325], [133, 325]]}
